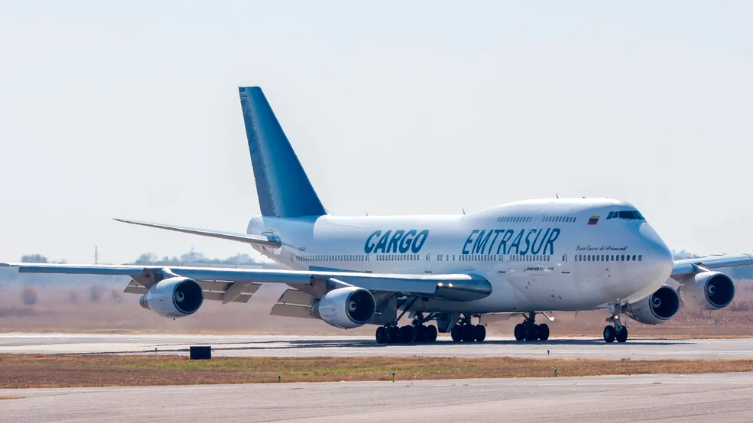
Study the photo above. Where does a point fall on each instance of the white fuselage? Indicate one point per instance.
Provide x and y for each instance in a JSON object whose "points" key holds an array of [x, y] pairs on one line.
{"points": [[538, 255]]}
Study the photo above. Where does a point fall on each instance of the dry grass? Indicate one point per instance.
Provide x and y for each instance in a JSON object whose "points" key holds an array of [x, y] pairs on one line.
{"points": [[27, 371], [10, 398]]}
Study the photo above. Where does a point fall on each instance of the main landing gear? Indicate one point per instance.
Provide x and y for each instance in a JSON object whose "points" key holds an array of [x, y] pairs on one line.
{"points": [[618, 332], [530, 331], [465, 331], [416, 332]]}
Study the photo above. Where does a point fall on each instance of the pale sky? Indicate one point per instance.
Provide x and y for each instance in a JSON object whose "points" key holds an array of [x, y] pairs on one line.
{"points": [[131, 110]]}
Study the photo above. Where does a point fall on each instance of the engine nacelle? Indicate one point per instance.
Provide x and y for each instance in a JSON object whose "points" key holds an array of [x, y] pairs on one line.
{"points": [[656, 308], [346, 308], [173, 297], [707, 291]]}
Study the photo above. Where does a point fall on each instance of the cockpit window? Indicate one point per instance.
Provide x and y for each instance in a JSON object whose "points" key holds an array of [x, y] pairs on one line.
{"points": [[626, 214]]}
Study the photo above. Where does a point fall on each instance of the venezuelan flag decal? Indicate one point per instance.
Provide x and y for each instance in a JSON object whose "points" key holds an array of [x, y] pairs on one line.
{"points": [[593, 220]]}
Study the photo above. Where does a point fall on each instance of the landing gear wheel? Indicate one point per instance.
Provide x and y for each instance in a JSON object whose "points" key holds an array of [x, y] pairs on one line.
{"points": [[406, 334], [381, 336], [543, 332], [392, 335], [418, 333], [520, 332], [479, 333], [610, 333], [532, 333], [456, 333], [468, 333], [430, 334], [622, 335]]}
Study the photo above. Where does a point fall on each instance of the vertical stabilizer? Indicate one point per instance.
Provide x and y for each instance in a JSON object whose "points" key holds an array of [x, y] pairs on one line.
{"points": [[284, 189]]}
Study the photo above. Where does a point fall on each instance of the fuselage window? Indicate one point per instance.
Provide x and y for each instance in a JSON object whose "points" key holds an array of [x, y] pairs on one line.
{"points": [[640, 258], [633, 258]]}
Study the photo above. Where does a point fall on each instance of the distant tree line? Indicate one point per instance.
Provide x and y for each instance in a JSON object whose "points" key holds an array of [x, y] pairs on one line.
{"points": [[195, 258]]}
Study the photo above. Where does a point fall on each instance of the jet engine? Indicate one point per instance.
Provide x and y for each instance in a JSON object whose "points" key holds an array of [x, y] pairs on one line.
{"points": [[707, 291], [656, 308], [173, 297], [345, 308]]}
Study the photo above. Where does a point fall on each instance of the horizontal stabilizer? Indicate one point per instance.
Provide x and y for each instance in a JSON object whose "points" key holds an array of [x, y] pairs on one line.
{"points": [[262, 240]]}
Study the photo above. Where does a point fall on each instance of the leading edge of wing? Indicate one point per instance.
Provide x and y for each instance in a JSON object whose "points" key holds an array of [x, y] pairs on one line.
{"points": [[455, 286], [247, 238], [701, 264]]}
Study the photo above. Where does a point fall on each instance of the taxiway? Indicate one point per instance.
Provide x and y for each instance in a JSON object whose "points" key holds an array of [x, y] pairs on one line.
{"points": [[343, 346], [655, 398]]}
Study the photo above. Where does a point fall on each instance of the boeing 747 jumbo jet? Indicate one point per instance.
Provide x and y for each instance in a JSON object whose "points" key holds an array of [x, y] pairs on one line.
{"points": [[517, 260]]}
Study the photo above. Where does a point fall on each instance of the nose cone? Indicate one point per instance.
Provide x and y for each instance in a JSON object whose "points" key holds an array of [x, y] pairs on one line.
{"points": [[657, 258]]}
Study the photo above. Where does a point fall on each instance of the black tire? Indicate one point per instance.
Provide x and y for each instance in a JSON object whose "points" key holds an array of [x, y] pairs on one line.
{"points": [[609, 333], [430, 333], [406, 334], [622, 335], [468, 332], [543, 332], [532, 333], [456, 333], [479, 333], [381, 336], [392, 335], [520, 332], [418, 333]]}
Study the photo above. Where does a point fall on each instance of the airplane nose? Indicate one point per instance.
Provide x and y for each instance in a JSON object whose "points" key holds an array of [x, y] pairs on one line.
{"points": [[658, 259]]}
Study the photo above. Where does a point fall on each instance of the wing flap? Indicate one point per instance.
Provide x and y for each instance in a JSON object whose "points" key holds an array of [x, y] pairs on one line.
{"points": [[288, 310], [212, 290], [294, 296]]}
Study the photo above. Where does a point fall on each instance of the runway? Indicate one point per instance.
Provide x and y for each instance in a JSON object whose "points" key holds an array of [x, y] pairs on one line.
{"points": [[343, 346], [655, 398]]}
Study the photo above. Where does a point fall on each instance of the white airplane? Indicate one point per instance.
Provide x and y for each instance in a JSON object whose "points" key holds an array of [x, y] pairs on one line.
{"points": [[514, 260]]}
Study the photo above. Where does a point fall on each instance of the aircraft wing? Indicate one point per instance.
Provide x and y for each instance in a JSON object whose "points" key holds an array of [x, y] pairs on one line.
{"points": [[264, 240], [692, 266], [231, 283]]}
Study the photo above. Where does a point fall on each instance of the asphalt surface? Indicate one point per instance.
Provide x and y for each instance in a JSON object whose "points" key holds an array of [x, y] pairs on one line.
{"points": [[655, 398], [319, 346]]}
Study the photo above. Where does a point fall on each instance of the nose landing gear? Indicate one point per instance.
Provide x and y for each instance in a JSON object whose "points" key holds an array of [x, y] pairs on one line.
{"points": [[618, 332]]}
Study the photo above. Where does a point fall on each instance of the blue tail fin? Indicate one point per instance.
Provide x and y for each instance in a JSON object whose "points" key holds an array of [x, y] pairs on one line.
{"points": [[284, 189]]}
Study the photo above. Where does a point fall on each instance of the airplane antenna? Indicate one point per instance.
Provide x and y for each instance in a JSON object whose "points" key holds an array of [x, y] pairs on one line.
{"points": [[463, 210], [557, 195], [96, 255]]}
